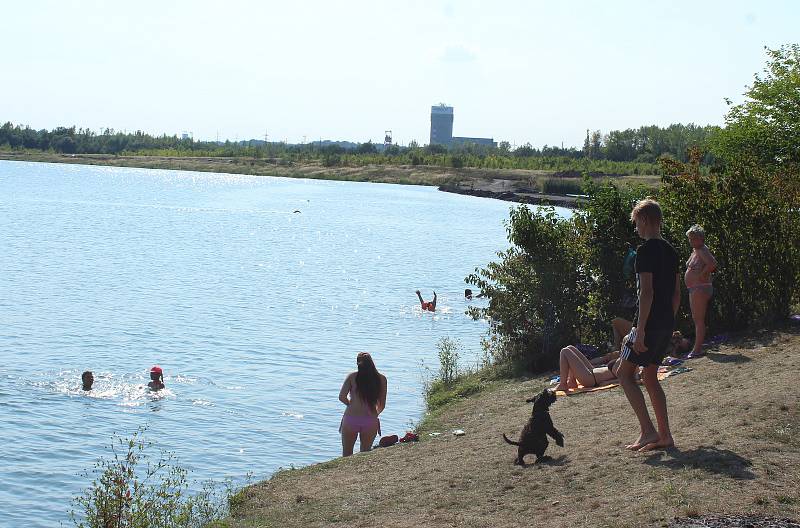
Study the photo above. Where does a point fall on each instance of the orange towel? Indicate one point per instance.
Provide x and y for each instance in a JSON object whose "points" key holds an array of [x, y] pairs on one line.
{"points": [[609, 385], [581, 389]]}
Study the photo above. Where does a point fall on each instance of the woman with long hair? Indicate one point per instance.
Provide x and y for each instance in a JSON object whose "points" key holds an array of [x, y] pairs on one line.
{"points": [[364, 394]]}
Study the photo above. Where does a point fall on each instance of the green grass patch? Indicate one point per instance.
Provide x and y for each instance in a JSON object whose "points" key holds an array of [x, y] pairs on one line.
{"points": [[562, 186], [441, 393]]}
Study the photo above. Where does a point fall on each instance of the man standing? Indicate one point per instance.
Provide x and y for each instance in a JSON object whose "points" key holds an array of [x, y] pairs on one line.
{"points": [[646, 344]]}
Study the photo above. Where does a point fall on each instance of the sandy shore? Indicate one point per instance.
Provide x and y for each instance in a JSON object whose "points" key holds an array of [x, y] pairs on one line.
{"points": [[735, 417]]}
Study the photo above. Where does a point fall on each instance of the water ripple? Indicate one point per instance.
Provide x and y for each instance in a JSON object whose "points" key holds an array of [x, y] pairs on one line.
{"points": [[255, 315]]}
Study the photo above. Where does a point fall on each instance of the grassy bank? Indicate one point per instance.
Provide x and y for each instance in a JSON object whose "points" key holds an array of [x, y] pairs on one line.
{"points": [[493, 180], [735, 417]]}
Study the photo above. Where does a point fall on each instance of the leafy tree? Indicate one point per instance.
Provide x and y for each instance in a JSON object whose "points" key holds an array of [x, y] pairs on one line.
{"points": [[752, 226], [367, 148], [609, 235], [65, 144], [766, 127], [535, 289], [525, 151]]}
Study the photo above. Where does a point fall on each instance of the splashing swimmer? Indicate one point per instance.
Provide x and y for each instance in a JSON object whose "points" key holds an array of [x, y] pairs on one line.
{"points": [[156, 379], [427, 306], [87, 378]]}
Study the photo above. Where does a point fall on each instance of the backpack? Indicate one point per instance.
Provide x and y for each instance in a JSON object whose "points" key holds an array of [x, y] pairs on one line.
{"points": [[629, 264]]}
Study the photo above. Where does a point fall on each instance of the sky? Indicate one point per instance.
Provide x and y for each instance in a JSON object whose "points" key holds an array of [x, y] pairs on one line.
{"points": [[539, 72]]}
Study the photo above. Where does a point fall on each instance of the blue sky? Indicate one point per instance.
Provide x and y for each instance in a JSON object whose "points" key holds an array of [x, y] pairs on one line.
{"points": [[529, 71]]}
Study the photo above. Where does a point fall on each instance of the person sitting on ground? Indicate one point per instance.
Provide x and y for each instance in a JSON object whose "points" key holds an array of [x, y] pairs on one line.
{"points": [[699, 267], [87, 379], [576, 370], [364, 394], [678, 345], [429, 306], [156, 379]]}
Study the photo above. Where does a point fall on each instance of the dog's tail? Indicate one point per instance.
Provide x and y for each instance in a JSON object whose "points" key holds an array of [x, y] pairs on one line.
{"points": [[509, 441]]}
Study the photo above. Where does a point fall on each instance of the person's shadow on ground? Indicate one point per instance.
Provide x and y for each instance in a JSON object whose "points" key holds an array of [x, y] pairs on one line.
{"points": [[728, 358], [710, 459]]}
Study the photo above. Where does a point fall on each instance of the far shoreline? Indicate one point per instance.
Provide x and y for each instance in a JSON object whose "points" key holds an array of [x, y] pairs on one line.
{"points": [[512, 185]]}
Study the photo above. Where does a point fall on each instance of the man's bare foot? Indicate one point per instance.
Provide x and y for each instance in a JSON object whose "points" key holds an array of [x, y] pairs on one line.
{"points": [[661, 443], [643, 441], [561, 387]]}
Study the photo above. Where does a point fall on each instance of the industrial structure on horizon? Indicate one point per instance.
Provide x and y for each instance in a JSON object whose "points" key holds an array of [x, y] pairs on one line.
{"points": [[442, 129]]}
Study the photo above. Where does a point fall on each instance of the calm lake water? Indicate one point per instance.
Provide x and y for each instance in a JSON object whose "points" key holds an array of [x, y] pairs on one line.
{"points": [[255, 312]]}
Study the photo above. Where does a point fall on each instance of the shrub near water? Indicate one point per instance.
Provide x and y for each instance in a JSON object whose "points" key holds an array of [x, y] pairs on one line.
{"points": [[561, 281], [536, 289], [561, 186], [134, 489], [451, 382], [752, 227], [609, 235]]}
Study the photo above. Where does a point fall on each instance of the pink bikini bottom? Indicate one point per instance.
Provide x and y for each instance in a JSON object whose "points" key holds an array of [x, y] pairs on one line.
{"points": [[358, 424]]}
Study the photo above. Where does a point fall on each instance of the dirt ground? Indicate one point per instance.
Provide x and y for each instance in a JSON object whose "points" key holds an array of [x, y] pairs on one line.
{"points": [[735, 418]]}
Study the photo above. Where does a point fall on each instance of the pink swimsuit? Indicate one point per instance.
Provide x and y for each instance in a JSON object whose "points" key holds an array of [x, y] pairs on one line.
{"points": [[358, 424]]}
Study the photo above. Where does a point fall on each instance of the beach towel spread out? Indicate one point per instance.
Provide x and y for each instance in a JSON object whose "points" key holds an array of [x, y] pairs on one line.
{"points": [[581, 388], [663, 373]]}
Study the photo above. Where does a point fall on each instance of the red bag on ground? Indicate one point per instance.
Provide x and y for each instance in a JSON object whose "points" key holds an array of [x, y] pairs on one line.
{"points": [[410, 437]]}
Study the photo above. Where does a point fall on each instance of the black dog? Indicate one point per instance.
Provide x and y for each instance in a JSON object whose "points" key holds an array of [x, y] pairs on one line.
{"points": [[533, 438]]}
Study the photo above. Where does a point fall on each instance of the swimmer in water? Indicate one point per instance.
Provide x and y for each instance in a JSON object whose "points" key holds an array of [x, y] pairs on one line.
{"points": [[429, 306], [87, 378], [156, 379]]}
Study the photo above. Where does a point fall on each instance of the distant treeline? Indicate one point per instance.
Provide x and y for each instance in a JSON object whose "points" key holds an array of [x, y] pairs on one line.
{"points": [[632, 151]]}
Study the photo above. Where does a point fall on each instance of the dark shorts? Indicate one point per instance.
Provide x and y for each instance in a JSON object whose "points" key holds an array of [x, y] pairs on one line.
{"points": [[656, 342]]}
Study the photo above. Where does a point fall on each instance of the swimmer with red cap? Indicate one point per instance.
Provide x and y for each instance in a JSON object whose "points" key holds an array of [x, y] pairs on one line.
{"points": [[156, 378]]}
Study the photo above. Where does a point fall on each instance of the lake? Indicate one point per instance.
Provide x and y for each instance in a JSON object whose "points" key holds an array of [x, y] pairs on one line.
{"points": [[254, 294]]}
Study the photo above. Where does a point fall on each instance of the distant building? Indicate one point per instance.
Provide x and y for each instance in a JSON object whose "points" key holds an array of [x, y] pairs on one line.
{"points": [[442, 129], [441, 125]]}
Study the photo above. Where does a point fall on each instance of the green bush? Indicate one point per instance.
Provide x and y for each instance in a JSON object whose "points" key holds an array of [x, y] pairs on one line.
{"points": [[536, 289], [331, 160], [562, 186], [609, 234], [752, 227], [448, 359], [562, 280], [135, 489]]}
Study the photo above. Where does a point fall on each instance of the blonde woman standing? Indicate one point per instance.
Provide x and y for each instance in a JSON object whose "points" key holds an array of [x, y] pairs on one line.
{"points": [[699, 267]]}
